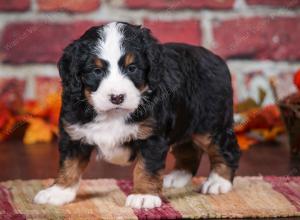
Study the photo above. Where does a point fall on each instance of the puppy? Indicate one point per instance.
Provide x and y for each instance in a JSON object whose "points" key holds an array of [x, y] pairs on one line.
{"points": [[132, 99]]}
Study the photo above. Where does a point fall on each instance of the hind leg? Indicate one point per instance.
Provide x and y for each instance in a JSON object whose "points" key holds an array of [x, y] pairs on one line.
{"points": [[224, 154], [187, 157]]}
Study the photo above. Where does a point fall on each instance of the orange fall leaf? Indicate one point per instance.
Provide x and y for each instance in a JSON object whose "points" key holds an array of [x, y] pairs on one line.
{"points": [[245, 142], [38, 131]]}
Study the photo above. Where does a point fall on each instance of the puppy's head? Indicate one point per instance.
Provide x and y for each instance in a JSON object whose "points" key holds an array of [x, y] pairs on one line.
{"points": [[111, 66]]}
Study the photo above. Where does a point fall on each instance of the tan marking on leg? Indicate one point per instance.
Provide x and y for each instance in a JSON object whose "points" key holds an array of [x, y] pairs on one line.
{"points": [[70, 172], [145, 182], [217, 161], [224, 171], [203, 141]]}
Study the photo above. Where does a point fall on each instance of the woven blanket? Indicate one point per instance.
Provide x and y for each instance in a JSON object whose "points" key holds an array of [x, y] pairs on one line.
{"points": [[105, 199]]}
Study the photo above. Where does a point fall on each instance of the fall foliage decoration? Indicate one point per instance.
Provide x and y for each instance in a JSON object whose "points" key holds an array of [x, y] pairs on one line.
{"points": [[264, 123], [39, 117], [43, 123]]}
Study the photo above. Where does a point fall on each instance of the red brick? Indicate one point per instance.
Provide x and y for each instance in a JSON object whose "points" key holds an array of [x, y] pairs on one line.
{"points": [[68, 5], [187, 31], [262, 38], [276, 3], [179, 4], [14, 5], [39, 42]]}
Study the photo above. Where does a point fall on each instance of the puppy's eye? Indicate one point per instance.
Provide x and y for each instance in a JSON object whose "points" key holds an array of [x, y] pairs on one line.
{"points": [[99, 71], [131, 68]]}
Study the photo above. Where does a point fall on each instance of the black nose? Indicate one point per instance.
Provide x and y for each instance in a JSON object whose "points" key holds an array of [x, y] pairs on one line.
{"points": [[117, 99]]}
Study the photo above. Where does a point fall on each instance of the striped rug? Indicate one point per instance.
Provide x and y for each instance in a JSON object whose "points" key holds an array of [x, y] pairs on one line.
{"points": [[105, 198]]}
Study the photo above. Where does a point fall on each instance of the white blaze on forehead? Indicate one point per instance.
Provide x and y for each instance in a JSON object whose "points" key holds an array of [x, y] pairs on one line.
{"points": [[110, 48]]}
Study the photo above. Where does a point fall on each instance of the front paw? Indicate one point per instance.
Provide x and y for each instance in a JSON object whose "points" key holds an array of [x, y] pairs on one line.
{"points": [[56, 195], [177, 179], [145, 201], [216, 184]]}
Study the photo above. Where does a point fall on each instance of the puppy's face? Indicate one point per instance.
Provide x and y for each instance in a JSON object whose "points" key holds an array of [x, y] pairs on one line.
{"points": [[114, 73]]}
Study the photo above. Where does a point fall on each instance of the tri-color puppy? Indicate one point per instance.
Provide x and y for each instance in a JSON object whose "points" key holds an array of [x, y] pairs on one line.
{"points": [[133, 99]]}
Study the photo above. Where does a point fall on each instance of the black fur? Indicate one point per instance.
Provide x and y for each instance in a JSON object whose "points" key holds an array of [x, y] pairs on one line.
{"points": [[189, 92]]}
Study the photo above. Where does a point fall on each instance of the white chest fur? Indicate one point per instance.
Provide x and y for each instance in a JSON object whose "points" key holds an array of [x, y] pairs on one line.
{"points": [[108, 134]]}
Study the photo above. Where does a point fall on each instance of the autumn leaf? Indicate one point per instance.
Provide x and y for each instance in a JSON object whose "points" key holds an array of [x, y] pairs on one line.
{"points": [[53, 102], [3, 118], [246, 105], [245, 142], [7, 130], [264, 118], [7, 123], [34, 108], [269, 134], [268, 117], [38, 131]]}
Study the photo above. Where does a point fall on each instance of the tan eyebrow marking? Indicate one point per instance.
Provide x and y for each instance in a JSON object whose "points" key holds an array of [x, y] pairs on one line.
{"points": [[129, 58], [99, 63]]}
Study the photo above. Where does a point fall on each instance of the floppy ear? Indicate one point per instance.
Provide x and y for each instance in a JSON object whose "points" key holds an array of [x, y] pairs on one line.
{"points": [[68, 67], [154, 56], [74, 109]]}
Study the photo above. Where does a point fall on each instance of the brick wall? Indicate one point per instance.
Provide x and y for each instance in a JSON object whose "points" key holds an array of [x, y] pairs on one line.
{"points": [[255, 36]]}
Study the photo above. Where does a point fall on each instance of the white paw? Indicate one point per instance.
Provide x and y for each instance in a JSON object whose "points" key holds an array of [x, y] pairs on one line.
{"points": [[216, 184], [56, 195], [177, 179], [145, 201]]}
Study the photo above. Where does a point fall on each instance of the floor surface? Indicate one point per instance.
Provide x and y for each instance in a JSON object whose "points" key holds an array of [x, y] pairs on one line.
{"points": [[38, 161]]}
